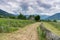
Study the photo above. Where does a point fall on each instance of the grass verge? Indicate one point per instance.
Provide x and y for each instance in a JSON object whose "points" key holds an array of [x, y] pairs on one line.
{"points": [[55, 24], [41, 34], [52, 28], [10, 25]]}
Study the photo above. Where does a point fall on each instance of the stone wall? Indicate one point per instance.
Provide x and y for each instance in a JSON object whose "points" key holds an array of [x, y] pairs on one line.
{"points": [[48, 34]]}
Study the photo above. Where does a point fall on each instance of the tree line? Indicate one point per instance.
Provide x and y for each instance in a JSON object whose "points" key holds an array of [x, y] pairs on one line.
{"points": [[30, 17], [23, 17]]}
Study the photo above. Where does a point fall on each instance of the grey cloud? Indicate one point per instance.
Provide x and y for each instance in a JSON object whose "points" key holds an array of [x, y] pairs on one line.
{"points": [[38, 7], [46, 6], [2, 2], [24, 6]]}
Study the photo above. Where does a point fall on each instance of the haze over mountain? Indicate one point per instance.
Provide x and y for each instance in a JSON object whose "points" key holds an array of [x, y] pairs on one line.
{"points": [[44, 16], [55, 17]]}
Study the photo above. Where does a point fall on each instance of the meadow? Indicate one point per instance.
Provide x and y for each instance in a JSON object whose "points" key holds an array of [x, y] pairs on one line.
{"points": [[54, 27], [10, 25], [55, 24]]}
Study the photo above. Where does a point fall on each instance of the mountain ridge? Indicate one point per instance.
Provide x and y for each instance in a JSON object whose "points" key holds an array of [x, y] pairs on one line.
{"points": [[55, 17], [5, 14]]}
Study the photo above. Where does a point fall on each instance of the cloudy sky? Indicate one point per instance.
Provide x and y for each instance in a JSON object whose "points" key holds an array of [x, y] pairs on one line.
{"points": [[41, 7]]}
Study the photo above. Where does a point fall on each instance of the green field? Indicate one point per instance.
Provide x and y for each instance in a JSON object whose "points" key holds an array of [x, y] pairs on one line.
{"points": [[10, 25], [55, 24], [54, 27]]}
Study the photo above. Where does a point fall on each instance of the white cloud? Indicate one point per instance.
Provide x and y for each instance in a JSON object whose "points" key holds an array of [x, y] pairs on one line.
{"points": [[46, 7]]}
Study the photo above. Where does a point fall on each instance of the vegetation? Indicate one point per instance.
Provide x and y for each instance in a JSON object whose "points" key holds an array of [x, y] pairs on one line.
{"points": [[41, 34], [10, 25], [54, 20], [21, 16], [55, 24], [37, 18], [47, 20], [54, 27]]}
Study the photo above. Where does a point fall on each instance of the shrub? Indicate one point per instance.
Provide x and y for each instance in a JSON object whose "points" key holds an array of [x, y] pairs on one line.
{"points": [[21, 16], [54, 21], [37, 18], [41, 34]]}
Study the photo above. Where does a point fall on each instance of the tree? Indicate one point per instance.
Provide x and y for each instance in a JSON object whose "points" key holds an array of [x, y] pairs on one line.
{"points": [[54, 21], [48, 20], [37, 18], [21, 16], [1, 16], [12, 17]]}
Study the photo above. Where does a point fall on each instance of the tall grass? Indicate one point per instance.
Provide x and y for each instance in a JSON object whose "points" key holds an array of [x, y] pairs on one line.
{"points": [[10, 25], [55, 24], [41, 34]]}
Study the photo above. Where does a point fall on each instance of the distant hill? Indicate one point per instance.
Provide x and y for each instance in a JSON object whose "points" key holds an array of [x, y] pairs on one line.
{"points": [[55, 17], [5, 14]]}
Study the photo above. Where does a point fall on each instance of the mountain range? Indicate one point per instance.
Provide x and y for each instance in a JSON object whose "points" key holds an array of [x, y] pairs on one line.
{"points": [[55, 17], [5, 14]]}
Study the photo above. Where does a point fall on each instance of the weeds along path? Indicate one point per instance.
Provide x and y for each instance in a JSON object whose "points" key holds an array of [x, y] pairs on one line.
{"points": [[27, 33]]}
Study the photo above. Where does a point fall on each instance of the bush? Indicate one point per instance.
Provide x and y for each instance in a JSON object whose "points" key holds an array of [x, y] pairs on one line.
{"points": [[12, 17], [54, 21], [41, 34], [37, 18], [48, 20], [21, 16]]}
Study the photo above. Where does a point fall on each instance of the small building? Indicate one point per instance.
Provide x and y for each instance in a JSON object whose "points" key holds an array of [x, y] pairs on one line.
{"points": [[31, 17]]}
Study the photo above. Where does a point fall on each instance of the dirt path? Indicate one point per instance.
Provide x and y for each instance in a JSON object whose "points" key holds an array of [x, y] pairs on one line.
{"points": [[27, 33]]}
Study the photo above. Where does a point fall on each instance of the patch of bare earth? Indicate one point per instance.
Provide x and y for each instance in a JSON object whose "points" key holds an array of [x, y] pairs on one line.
{"points": [[27, 33]]}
